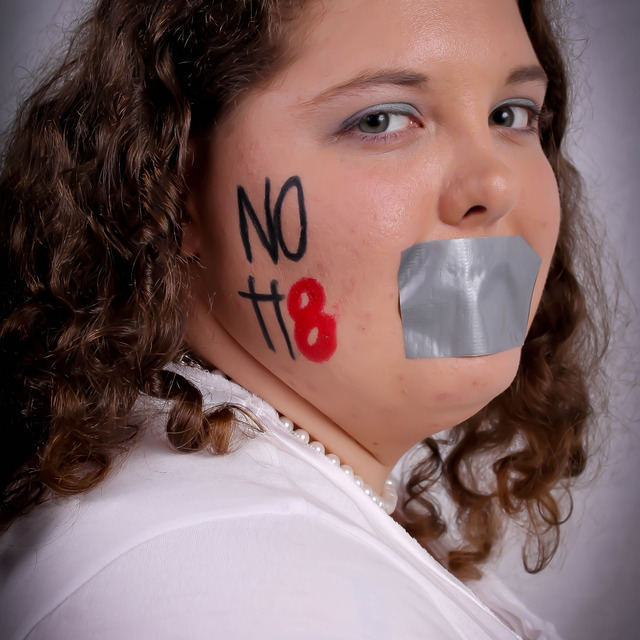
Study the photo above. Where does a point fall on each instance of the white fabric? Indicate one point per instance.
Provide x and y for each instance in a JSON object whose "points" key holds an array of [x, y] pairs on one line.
{"points": [[271, 541]]}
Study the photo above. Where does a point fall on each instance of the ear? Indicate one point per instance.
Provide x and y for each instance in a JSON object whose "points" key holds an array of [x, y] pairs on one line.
{"points": [[190, 247]]}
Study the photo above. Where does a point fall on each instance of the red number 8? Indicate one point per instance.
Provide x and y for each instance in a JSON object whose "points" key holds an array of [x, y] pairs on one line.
{"points": [[310, 316]]}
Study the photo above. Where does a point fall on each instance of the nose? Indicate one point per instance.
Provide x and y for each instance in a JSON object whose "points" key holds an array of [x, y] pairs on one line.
{"points": [[479, 187]]}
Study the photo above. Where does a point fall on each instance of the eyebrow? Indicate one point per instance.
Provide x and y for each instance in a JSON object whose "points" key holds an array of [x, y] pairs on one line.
{"points": [[529, 73], [407, 78], [400, 77]]}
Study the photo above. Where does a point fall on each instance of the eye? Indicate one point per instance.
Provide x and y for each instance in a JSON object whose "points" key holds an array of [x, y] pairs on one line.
{"points": [[381, 121], [515, 115]]}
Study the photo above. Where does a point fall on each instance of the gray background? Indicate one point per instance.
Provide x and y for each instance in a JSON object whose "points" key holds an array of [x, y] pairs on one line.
{"points": [[591, 589]]}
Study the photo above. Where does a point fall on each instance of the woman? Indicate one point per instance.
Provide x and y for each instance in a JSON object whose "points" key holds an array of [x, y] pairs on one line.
{"points": [[261, 188]]}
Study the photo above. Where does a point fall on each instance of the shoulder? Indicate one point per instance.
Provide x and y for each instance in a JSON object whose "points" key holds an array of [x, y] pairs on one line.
{"points": [[202, 546], [54, 554], [282, 575], [270, 539]]}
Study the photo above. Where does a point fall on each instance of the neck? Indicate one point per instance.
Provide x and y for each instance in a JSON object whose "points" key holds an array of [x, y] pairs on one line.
{"points": [[217, 347]]}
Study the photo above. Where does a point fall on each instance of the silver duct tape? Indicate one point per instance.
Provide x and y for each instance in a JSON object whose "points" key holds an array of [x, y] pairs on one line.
{"points": [[467, 296]]}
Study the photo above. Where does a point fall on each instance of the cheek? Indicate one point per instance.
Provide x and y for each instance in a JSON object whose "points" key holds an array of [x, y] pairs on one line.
{"points": [[541, 226], [357, 231], [393, 213], [267, 271], [374, 204], [543, 202]]}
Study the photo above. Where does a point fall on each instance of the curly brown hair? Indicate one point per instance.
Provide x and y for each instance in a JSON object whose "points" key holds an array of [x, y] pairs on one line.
{"points": [[91, 197]]}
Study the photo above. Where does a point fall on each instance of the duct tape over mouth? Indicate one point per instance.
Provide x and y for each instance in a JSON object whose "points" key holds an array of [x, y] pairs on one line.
{"points": [[466, 296]]}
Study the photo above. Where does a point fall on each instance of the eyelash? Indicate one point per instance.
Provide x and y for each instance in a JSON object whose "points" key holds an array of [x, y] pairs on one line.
{"points": [[536, 114], [349, 128]]}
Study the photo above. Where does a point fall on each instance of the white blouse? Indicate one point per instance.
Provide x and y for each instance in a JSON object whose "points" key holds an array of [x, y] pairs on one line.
{"points": [[271, 541]]}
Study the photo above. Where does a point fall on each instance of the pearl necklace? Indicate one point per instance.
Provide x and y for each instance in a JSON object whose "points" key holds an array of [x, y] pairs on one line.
{"points": [[389, 498]]}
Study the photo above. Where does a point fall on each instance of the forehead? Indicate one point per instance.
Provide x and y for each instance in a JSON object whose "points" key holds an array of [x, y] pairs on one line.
{"points": [[337, 36]]}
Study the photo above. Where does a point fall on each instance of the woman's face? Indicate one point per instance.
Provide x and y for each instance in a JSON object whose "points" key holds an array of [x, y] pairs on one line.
{"points": [[394, 125]]}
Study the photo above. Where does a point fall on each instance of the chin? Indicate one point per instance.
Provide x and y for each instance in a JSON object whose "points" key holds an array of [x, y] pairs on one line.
{"points": [[469, 384], [497, 372]]}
